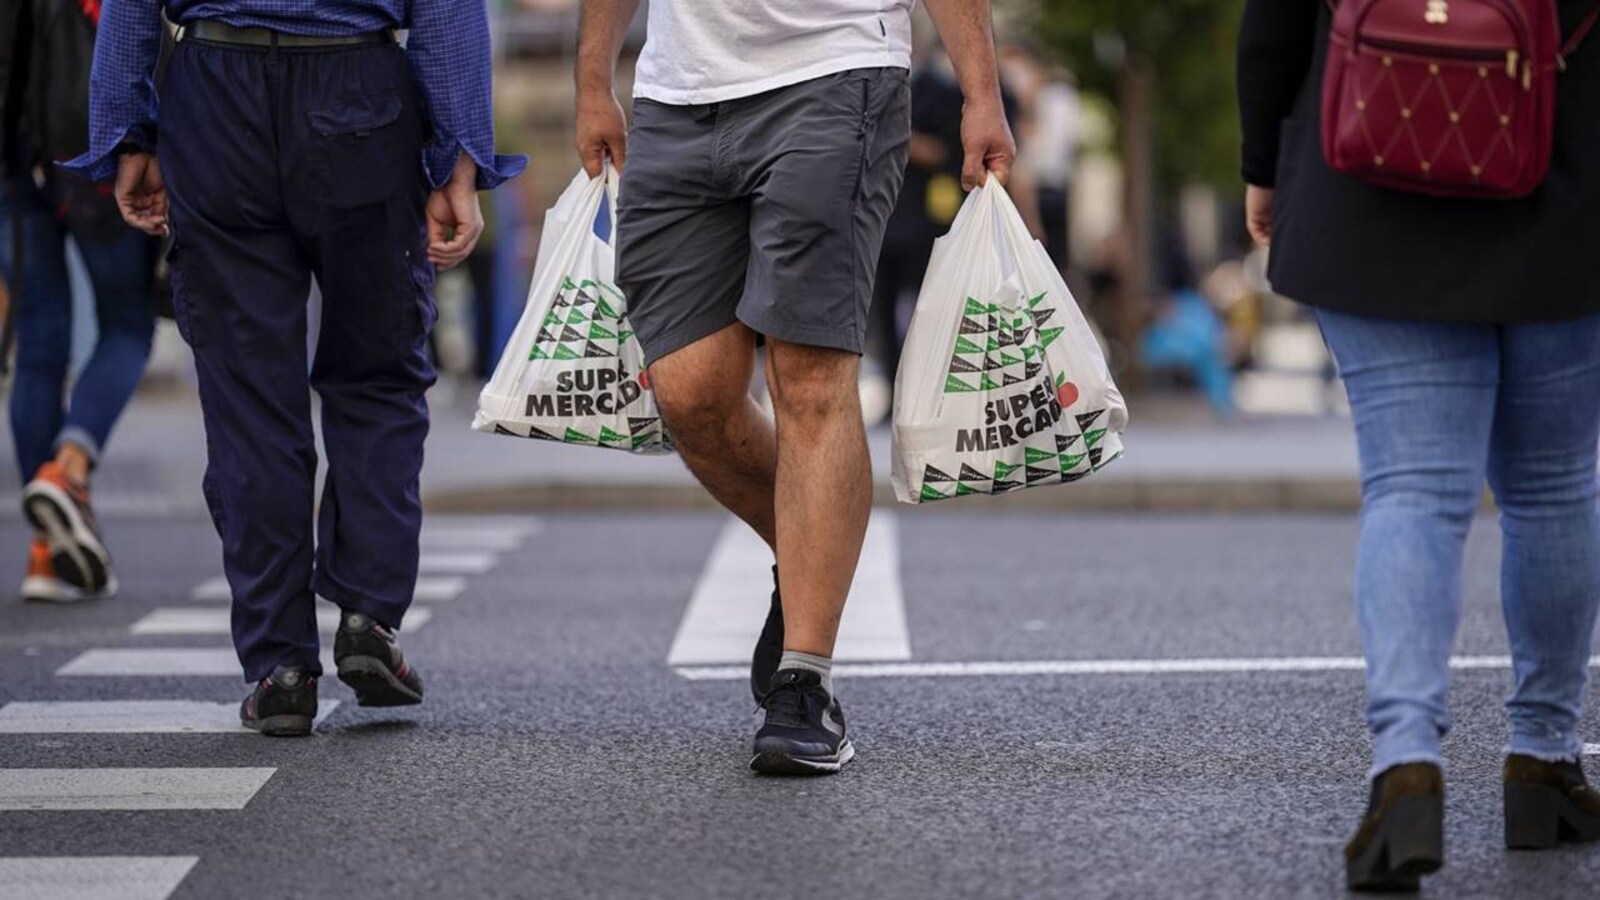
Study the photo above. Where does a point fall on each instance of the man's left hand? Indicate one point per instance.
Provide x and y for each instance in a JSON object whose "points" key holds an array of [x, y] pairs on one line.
{"points": [[987, 141], [141, 193], [455, 220]]}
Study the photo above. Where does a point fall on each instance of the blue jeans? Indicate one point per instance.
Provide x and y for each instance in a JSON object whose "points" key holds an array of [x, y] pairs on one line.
{"points": [[122, 272], [1439, 408]]}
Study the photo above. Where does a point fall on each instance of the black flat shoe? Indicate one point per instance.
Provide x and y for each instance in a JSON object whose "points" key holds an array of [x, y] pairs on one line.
{"points": [[1547, 803], [369, 660], [1402, 837], [769, 647], [284, 704]]}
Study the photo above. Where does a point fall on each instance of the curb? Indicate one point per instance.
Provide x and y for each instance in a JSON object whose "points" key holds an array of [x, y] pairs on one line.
{"points": [[1209, 495]]}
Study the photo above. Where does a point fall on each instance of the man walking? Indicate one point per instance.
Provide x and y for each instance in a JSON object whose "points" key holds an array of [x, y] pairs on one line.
{"points": [[297, 140], [768, 145]]}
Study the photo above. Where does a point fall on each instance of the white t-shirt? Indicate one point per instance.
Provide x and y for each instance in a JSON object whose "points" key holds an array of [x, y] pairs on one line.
{"points": [[707, 51]]}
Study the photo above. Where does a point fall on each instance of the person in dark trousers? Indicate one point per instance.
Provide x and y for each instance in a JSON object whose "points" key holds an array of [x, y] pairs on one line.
{"points": [[296, 141], [60, 435], [1467, 333]]}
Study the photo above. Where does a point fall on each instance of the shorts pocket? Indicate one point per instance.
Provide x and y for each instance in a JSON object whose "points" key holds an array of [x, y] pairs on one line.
{"points": [[361, 148]]}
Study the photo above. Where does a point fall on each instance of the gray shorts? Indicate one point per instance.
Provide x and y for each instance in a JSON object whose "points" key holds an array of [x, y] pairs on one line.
{"points": [[768, 210]]}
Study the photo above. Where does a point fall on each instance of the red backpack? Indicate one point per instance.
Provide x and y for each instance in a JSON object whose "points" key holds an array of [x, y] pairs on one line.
{"points": [[1450, 98]]}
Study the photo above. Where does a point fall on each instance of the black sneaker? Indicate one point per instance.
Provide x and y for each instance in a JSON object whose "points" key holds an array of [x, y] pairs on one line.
{"points": [[284, 704], [804, 733], [370, 661], [769, 647]]}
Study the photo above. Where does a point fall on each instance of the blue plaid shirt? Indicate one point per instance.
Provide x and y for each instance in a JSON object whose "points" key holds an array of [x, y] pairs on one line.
{"points": [[448, 46]]}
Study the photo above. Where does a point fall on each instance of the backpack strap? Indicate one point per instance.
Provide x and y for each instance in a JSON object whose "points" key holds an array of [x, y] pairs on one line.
{"points": [[1578, 36]]}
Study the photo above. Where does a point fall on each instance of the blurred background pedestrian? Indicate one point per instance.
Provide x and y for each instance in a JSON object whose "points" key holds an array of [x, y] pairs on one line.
{"points": [[60, 434]]}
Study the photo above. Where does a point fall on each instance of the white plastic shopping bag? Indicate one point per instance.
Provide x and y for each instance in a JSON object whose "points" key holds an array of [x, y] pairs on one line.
{"points": [[573, 371], [1002, 385]]}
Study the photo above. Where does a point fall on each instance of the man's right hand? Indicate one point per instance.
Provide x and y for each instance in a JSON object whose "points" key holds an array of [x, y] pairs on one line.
{"points": [[141, 193], [602, 131]]}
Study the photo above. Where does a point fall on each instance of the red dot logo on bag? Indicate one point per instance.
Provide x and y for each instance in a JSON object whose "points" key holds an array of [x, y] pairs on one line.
{"points": [[1067, 394]]}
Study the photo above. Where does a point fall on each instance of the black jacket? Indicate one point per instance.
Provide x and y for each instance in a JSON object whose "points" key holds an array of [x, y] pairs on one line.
{"points": [[1344, 245], [15, 43]]}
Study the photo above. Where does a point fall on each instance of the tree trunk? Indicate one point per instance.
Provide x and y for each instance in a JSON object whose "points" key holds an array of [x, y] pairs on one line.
{"points": [[1138, 277]]}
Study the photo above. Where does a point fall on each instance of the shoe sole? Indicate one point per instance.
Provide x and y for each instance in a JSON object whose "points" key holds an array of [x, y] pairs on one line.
{"points": [[75, 550], [280, 726], [1409, 845], [1539, 817], [773, 762], [374, 683], [36, 589]]}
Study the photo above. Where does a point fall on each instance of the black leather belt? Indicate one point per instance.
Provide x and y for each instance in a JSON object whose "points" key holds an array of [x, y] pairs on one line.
{"points": [[214, 32]]}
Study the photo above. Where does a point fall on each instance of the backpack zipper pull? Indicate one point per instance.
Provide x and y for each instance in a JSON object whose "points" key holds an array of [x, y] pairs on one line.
{"points": [[1511, 63]]}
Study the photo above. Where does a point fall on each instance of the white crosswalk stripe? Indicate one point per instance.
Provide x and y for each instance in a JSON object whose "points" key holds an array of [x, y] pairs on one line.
{"points": [[433, 590], [451, 552], [457, 563], [430, 589], [157, 662], [1591, 749], [92, 877], [128, 717], [493, 538], [77, 789], [729, 605], [216, 620]]}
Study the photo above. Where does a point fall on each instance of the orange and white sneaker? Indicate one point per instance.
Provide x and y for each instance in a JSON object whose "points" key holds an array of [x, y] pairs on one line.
{"points": [[43, 586], [59, 509]]}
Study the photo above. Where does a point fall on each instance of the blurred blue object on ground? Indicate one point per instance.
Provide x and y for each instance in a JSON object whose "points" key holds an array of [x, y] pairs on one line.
{"points": [[1190, 338]]}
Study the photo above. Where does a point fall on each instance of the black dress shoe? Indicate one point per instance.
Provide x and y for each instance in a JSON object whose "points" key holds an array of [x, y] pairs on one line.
{"points": [[1547, 803], [1402, 837], [369, 660], [284, 704], [769, 647]]}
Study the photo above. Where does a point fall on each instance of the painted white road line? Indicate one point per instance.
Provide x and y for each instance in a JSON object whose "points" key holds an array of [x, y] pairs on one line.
{"points": [[433, 590], [1591, 749], [1092, 667], [213, 589], [429, 589], [457, 563], [216, 620], [158, 662], [129, 717], [497, 538], [730, 602], [92, 877], [59, 789]]}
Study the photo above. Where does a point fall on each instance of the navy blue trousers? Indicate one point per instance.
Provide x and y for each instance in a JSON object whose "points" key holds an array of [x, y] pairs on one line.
{"points": [[281, 166]]}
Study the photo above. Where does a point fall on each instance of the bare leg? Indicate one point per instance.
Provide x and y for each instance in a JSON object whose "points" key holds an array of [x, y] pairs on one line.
{"points": [[824, 488], [724, 437]]}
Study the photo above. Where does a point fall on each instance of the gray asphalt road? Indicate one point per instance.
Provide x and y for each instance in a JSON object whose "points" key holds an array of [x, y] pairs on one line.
{"points": [[559, 756]]}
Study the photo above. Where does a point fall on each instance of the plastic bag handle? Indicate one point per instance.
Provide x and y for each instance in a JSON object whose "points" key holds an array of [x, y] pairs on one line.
{"points": [[612, 186], [1002, 210]]}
